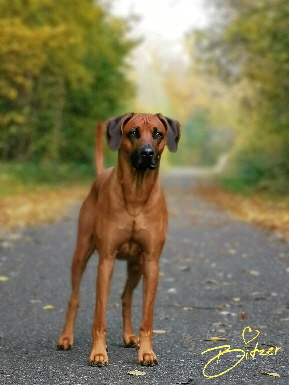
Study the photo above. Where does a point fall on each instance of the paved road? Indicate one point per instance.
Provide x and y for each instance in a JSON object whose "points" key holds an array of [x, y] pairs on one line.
{"points": [[218, 276]]}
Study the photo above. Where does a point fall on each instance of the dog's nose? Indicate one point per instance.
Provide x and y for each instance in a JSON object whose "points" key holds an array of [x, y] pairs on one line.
{"points": [[147, 151]]}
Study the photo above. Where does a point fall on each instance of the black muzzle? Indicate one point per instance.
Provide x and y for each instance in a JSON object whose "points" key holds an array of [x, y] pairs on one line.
{"points": [[144, 157]]}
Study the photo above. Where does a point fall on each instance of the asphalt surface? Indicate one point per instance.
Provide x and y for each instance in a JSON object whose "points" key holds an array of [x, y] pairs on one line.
{"points": [[218, 276]]}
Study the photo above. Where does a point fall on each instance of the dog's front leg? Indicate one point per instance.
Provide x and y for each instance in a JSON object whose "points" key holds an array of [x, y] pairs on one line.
{"points": [[98, 355], [146, 355]]}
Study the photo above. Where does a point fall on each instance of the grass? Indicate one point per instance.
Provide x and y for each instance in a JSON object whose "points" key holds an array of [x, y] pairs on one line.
{"points": [[17, 178]]}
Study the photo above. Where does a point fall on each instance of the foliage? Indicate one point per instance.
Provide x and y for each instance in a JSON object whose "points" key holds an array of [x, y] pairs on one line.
{"points": [[19, 177], [184, 95], [249, 51], [204, 143], [62, 66]]}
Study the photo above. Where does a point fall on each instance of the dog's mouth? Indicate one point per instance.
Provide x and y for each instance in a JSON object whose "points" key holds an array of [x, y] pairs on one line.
{"points": [[144, 158]]}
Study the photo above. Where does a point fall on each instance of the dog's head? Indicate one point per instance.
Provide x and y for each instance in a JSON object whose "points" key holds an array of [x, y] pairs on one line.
{"points": [[142, 137]]}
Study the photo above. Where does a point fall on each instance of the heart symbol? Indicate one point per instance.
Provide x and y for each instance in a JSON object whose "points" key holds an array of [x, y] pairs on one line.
{"points": [[249, 330]]}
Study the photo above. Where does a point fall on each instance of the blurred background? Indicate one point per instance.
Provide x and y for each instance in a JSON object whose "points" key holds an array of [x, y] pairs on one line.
{"points": [[219, 67]]}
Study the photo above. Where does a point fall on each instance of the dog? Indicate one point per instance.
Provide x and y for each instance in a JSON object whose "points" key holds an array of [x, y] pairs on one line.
{"points": [[125, 217]]}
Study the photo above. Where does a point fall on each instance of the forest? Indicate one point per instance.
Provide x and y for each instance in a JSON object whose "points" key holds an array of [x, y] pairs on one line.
{"points": [[245, 53], [62, 71], [63, 67]]}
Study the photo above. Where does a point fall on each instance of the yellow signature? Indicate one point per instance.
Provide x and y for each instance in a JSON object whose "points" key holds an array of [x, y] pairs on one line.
{"points": [[225, 349]]}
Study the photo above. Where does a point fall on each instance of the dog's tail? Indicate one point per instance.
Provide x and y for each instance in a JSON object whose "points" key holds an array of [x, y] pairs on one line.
{"points": [[99, 129]]}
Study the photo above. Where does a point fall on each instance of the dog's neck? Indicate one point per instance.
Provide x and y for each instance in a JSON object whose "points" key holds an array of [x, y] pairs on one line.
{"points": [[137, 186]]}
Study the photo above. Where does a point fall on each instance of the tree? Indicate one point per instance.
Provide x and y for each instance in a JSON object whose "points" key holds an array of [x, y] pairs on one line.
{"points": [[249, 51], [62, 66]]}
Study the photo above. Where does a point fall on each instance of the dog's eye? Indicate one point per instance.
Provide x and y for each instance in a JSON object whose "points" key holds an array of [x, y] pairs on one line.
{"points": [[157, 134], [134, 133]]}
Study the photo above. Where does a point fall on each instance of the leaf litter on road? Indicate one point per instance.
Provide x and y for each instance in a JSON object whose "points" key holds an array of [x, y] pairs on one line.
{"points": [[271, 374], [136, 373], [214, 339]]}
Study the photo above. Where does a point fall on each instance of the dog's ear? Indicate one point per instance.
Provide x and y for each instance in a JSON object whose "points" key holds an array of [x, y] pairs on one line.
{"points": [[173, 132], [114, 130]]}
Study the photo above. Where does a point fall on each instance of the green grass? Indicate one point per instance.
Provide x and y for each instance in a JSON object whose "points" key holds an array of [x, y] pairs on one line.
{"points": [[17, 177], [235, 185], [275, 189]]}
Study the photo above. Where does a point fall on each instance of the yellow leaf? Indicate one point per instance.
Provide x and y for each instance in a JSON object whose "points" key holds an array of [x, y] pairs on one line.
{"points": [[159, 331], [3, 278], [48, 307], [217, 339], [236, 299], [271, 374], [136, 373], [254, 272]]}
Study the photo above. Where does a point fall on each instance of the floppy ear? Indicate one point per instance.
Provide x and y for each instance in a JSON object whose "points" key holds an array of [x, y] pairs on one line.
{"points": [[114, 129], [173, 132]]}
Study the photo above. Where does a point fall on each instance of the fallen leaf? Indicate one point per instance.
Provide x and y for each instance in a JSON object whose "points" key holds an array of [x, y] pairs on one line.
{"points": [[6, 245], [236, 299], [3, 278], [217, 339], [161, 273], [285, 319], [184, 268], [224, 312], [159, 331], [136, 373], [188, 308], [271, 374], [242, 315], [15, 236], [48, 307], [170, 279], [172, 290], [254, 272]]}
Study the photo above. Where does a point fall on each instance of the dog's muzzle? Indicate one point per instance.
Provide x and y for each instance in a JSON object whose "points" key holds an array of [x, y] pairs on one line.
{"points": [[144, 157]]}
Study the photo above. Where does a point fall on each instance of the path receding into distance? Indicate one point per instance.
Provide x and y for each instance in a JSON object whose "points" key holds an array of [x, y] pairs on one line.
{"points": [[218, 277]]}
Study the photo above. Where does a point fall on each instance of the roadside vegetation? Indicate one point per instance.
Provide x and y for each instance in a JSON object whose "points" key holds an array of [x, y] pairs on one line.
{"points": [[61, 72], [266, 210], [63, 67], [244, 56]]}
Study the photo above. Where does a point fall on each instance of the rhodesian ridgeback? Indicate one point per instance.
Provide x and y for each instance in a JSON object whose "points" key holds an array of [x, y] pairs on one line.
{"points": [[124, 217]]}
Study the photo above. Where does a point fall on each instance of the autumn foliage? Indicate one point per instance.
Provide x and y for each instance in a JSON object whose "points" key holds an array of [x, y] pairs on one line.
{"points": [[61, 69], [245, 49]]}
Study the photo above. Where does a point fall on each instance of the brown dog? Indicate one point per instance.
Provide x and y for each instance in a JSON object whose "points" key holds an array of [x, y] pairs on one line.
{"points": [[125, 217]]}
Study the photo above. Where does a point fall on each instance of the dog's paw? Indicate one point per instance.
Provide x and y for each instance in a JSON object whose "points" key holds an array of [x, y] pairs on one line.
{"points": [[65, 343], [147, 359], [131, 341], [98, 359]]}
